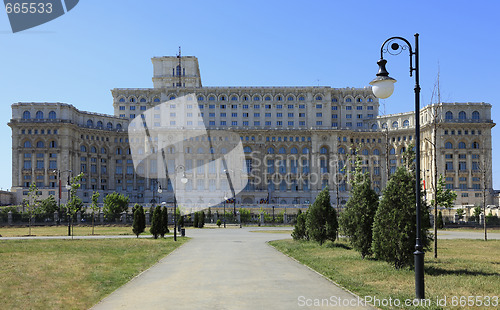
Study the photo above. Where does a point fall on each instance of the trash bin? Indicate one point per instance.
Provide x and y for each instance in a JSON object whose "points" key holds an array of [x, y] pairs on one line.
{"points": [[183, 232]]}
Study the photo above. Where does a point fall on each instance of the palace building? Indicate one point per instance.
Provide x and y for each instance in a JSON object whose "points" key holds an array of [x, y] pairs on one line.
{"points": [[296, 141]]}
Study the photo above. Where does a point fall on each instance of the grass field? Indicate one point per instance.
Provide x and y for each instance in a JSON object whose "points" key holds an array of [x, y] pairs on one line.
{"points": [[72, 274], [63, 231], [463, 268]]}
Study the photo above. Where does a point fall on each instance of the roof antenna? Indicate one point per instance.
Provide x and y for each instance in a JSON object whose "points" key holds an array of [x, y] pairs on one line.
{"points": [[180, 67]]}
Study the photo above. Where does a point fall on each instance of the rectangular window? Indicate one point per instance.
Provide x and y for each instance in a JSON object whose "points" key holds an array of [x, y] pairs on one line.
{"points": [[200, 169], [319, 114], [279, 114], [449, 166], [234, 123], [462, 166], [39, 164]]}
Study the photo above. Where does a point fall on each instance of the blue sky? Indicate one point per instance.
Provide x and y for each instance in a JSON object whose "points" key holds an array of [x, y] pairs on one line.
{"points": [[100, 45]]}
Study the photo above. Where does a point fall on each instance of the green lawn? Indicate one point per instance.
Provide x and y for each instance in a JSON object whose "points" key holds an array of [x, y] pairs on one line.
{"points": [[63, 230], [72, 274], [463, 268]]}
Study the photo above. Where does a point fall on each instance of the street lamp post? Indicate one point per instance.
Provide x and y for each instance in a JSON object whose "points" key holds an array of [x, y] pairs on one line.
{"points": [[383, 87], [224, 218], [68, 187], [184, 180]]}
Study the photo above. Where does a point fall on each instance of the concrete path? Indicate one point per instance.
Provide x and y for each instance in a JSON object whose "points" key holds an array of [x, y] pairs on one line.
{"points": [[457, 234], [228, 269]]}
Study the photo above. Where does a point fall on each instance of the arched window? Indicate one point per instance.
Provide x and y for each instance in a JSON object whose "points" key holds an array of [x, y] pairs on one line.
{"points": [[40, 144], [90, 123], [448, 145], [305, 150], [270, 150], [211, 98], [171, 97], [395, 124], [26, 115], [282, 150], [171, 150], [461, 145], [290, 98], [129, 151], [293, 150], [83, 148], [109, 125], [118, 151], [323, 150], [267, 98], [247, 149], [319, 98], [156, 100], [341, 150], [392, 151], [52, 115], [403, 149], [53, 144], [103, 150], [143, 100], [119, 126], [39, 115], [122, 100], [376, 152], [374, 126], [27, 144], [448, 115], [348, 100], [99, 124], [201, 98], [256, 98], [132, 99], [93, 149], [406, 123], [223, 150], [200, 150], [364, 152], [475, 145], [475, 115], [178, 70], [462, 115], [384, 125]]}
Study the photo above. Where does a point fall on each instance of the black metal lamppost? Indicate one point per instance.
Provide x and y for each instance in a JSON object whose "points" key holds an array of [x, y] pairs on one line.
{"points": [[383, 87], [184, 180], [224, 218], [68, 187]]}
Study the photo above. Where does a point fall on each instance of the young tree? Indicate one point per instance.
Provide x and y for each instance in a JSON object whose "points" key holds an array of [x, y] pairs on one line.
{"points": [[164, 215], [476, 213], [356, 220], [139, 224], [75, 204], [219, 223], [48, 206], [321, 221], [299, 231], [460, 214], [94, 206], [114, 205], [394, 226], [444, 197], [32, 205], [156, 223]]}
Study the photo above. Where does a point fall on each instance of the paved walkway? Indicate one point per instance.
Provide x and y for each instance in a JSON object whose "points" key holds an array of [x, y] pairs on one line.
{"points": [[227, 269]]}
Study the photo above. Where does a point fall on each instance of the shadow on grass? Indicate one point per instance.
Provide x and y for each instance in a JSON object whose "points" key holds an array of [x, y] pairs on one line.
{"points": [[338, 245], [435, 271]]}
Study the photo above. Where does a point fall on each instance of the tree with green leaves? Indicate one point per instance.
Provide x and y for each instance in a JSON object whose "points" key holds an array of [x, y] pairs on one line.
{"points": [[48, 206], [394, 227], [94, 207], [321, 220], [164, 222], [32, 204], [74, 204], [445, 197], [201, 219], [356, 221], [299, 230], [139, 224], [156, 222], [114, 205], [460, 214], [476, 213]]}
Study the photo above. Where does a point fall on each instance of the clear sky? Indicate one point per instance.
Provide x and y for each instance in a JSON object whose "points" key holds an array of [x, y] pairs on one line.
{"points": [[100, 45]]}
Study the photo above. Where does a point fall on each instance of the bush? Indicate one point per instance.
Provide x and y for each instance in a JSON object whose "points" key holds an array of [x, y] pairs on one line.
{"points": [[201, 219], [114, 205], [356, 221], [164, 222], [492, 219], [156, 223], [299, 230], [394, 230], [321, 220], [440, 224], [196, 218], [219, 223], [139, 224]]}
